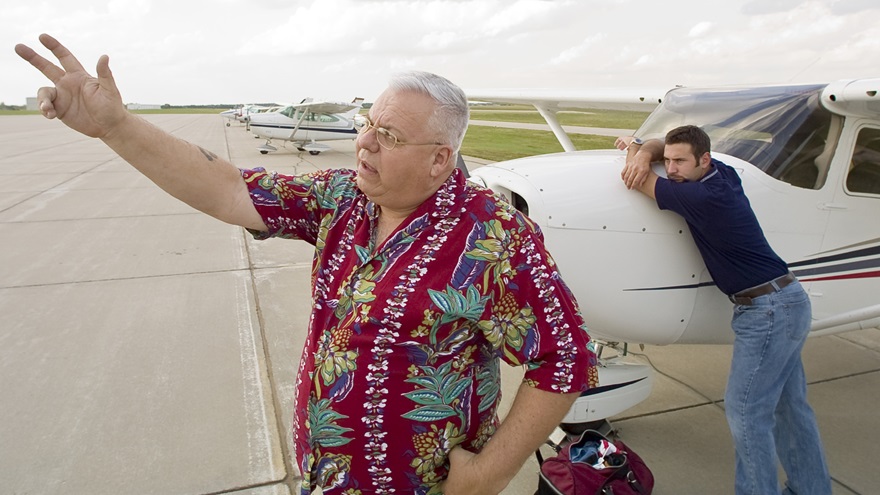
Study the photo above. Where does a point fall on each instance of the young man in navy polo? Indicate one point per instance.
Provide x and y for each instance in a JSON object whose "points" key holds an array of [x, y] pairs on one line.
{"points": [[766, 398]]}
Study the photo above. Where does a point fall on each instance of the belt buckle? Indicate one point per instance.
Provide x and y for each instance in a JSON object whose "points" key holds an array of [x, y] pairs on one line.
{"points": [[741, 300]]}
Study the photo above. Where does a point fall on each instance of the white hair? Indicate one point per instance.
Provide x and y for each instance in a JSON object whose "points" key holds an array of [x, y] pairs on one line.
{"points": [[451, 114]]}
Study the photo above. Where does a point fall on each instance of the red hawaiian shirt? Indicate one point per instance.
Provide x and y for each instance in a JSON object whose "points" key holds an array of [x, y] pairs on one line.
{"points": [[401, 362]]}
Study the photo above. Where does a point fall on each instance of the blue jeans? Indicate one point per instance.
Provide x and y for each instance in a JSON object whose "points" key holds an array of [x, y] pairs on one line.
{"points": [[766, 399]]}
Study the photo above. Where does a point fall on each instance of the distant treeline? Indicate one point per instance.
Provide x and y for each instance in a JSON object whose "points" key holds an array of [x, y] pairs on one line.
{"points": [[218, 106], [4, 106]]}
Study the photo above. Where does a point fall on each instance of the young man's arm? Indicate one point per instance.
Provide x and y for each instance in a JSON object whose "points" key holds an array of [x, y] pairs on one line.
{"points": [[637, 173], [93, 106]]}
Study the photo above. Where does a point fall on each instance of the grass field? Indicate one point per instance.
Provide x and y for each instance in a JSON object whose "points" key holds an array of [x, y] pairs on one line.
{"points": [[178, 111], [495, 143], [18, 112]]}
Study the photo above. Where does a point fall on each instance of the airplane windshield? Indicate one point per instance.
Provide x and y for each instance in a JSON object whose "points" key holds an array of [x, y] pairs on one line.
{"points": [[781, 130]]}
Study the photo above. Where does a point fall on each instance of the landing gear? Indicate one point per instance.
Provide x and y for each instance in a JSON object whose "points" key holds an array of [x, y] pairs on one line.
{"points": [[575, 429], [313, 153], [623, 383], [266, 148]]}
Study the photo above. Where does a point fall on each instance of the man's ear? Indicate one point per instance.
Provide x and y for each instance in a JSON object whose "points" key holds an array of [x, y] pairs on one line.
{"points": [[442, 163], [705, 160]]}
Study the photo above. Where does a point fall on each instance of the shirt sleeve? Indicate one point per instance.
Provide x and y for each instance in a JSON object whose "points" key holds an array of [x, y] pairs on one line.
{"points": [[688, 199], [537, 319], [291, 206]]}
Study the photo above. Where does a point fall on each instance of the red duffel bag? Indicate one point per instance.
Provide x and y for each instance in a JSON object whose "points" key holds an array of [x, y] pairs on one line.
{"points": [[594, 465]]}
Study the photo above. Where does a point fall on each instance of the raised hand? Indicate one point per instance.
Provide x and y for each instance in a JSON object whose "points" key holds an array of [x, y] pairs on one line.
{"points": [[84, 103]]}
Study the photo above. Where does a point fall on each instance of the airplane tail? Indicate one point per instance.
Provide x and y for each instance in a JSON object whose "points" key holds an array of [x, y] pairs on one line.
{"points": [[356, 101]]}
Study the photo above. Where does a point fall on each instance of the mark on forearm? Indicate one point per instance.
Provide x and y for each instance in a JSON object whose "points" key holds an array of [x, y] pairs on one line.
{"points": [[210, 156]]}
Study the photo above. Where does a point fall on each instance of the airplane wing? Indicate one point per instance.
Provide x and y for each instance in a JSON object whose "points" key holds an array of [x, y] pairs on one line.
{"points": [[603, 99], [326, 106], [549, 102]]}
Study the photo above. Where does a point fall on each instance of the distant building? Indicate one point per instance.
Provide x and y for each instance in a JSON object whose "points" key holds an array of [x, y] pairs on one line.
{"points": [[32, 104], [142, 106]]}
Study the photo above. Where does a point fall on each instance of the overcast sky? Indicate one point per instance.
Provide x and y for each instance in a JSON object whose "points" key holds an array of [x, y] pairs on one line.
{"points": [[236, 51]]}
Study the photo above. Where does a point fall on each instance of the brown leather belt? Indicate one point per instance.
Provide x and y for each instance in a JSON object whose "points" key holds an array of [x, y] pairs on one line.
{"points": [[745, 297]]}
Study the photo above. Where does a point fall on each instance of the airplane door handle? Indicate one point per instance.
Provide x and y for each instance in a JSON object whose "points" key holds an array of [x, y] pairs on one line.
{"points": [[833, 206]]}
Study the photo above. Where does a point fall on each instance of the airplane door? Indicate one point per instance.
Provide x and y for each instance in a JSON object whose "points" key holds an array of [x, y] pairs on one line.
{"points": [[847, 275], [307, 129], [299, 130]]}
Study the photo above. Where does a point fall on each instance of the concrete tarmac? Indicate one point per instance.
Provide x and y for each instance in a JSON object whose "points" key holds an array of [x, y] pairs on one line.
{"points": [[146, 348]]}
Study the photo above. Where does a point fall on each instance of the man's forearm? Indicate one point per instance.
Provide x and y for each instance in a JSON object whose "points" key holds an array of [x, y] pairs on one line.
{"points": [[652, 148], [188, 172], [533, 416], [637, 173]]}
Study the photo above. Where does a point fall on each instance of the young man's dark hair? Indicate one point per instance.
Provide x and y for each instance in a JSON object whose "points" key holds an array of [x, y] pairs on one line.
{"points": [[692, 135]]}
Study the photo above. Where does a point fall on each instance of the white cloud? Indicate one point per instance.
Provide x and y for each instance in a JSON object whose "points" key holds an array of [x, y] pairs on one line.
{"points": [[570, 54], [760, 7], [700, 29], [841, 7], [521, 13], [204, 51]]}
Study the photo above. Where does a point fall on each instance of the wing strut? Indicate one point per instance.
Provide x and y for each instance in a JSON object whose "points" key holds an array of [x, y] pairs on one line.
{"points": [[296, 128], [550, 117], [859, 319]]}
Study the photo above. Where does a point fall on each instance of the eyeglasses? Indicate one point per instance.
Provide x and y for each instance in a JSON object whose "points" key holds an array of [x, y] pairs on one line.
{"points": [[386, 138]]}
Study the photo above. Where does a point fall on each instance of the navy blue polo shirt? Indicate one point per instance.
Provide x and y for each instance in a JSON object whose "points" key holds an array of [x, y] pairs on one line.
{"points": [[724, 227]]}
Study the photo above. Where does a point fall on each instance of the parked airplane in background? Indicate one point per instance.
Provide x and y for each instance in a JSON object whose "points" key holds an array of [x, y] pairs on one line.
{"points": [[306, 123], [809, 159], [231, 114], [243, 113]]}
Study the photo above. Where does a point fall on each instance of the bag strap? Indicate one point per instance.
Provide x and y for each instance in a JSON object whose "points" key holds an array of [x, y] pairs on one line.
{"points": [[634, 482], [603, 490], [623, 472], [553, 445]]}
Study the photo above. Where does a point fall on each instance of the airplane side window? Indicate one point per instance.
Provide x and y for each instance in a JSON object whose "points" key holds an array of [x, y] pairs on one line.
{"points": [[784, 132], [864, 171], [807, 154]]}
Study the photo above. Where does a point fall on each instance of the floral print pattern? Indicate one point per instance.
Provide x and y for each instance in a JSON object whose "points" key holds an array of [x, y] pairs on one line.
{"points": [[401, 362]]}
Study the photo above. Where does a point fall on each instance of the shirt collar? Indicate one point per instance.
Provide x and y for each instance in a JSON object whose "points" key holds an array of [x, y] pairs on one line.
{"points": [[443, 203], [710, 174]]}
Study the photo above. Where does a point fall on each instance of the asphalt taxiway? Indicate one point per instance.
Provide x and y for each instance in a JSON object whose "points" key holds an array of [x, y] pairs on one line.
{"points": [[147, 348]]}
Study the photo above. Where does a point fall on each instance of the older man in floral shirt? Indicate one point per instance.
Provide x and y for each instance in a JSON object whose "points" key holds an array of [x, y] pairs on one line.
{"points": [[402, 359], [421, 282]]}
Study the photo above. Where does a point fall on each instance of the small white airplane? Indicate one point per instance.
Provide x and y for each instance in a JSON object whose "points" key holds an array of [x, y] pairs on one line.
{"points": [[809, 159], [306, 123], [243, 113], [231, 114]]}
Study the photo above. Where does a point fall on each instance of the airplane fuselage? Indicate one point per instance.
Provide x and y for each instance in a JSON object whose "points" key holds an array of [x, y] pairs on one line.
{"points": [[635, 269], [289, 125]]}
